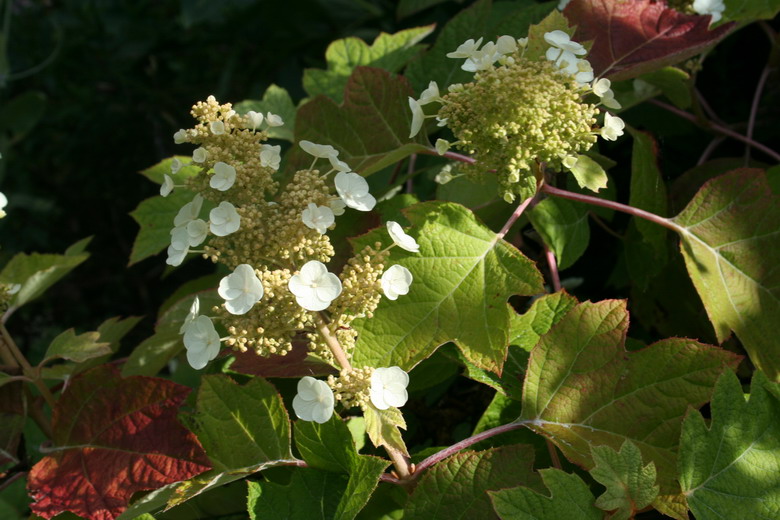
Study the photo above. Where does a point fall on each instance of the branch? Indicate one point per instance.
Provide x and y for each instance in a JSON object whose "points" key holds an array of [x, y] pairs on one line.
{"points": [[28, 370], [718, 129]]}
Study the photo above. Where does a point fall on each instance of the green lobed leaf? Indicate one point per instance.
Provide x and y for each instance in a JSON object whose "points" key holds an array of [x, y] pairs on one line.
{"points": [[155, 217], [630, 484], [674, 83], [457, 487], [583, 389], [388, 51], [646, 242], [277, 101], [37, 272], [77, 348], [243, 429], [526, 329], [382, 427], [564, 227], [330, 447], [311, 494], [157, 172], [730, 468], [153, 353], [750, 10], [483, 19], [370, 128], [463, 276], [569, 498], [730, 239], [589, 174]]}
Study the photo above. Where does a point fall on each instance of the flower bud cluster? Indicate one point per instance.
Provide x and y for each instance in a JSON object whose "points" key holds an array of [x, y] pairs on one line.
{"points": [[362, 287], [351, 387], [519, 111]]}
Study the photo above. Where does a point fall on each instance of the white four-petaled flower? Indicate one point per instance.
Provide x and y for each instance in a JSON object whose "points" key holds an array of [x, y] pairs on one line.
{"points": [[201, 341], [430, 94], [396, 281], [388, 387], [322, 151], [318, 217], [180, 136], [223, 178], [188, 212], [194, 310], [353, 190], [3, 204], [563, 52], [167, 186], [217, 127], [199, 155], [401, 239], [314, 287], [465, 49], [314, 400], [241, 289], [418, 116], [255, 119], [613, 127], [714, 8], [270, 156], [273, 119], [224, 219]]}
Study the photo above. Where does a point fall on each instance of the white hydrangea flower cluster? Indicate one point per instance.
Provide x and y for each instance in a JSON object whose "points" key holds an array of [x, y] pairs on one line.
{"points": [[528, 112]]}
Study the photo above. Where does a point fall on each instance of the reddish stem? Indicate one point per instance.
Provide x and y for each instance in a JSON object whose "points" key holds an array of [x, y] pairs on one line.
{"points": [[553, 265]]}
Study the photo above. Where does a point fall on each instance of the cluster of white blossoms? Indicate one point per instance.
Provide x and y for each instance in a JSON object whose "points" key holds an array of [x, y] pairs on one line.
{"points": [[3, 204], [522, 109], [713, 8], [386, 388]]}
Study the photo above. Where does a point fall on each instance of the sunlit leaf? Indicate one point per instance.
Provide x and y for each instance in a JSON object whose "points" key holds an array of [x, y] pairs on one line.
{"points": [[730, 238], [463, 276], [569, 498], [583, 389], [630, 483], [730, 468]]}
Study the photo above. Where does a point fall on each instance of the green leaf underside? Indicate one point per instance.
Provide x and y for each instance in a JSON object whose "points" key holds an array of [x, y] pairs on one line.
{"points": [[569, 498], [730, 239], [564, 228], [383, 428], [277, 101], [330, 447], [583, 389], [630, 483], [37, 272], [371, 128], [77, 348], [388, 51], [242, 428], [730, 468], [457, 486], [463, 276], [750, 10], [155, 217]]}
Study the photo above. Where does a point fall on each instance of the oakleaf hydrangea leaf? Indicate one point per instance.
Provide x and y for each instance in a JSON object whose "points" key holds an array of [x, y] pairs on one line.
{"points": [[37, 272], [457, 486], [382, 427], [564, 227], [583, 389], [569, 498], [370, 128], [526, 329], [731, 467], [277, 101], [388, 51], [114, 437], [463, 276], [751, 10], [243, 429], [630, 484], [68, 345], [329, 446], [730, 238], [311, 494], [631, 38]]}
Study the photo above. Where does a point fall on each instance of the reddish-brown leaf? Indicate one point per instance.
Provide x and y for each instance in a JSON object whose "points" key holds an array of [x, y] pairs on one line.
{"points": [[294, 364], [113, 437], [631, 37]]}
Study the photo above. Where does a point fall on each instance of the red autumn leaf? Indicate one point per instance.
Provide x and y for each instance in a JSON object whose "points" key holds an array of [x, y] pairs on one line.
{"points": [[113, 437], [632, 37], [294, 364]]}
